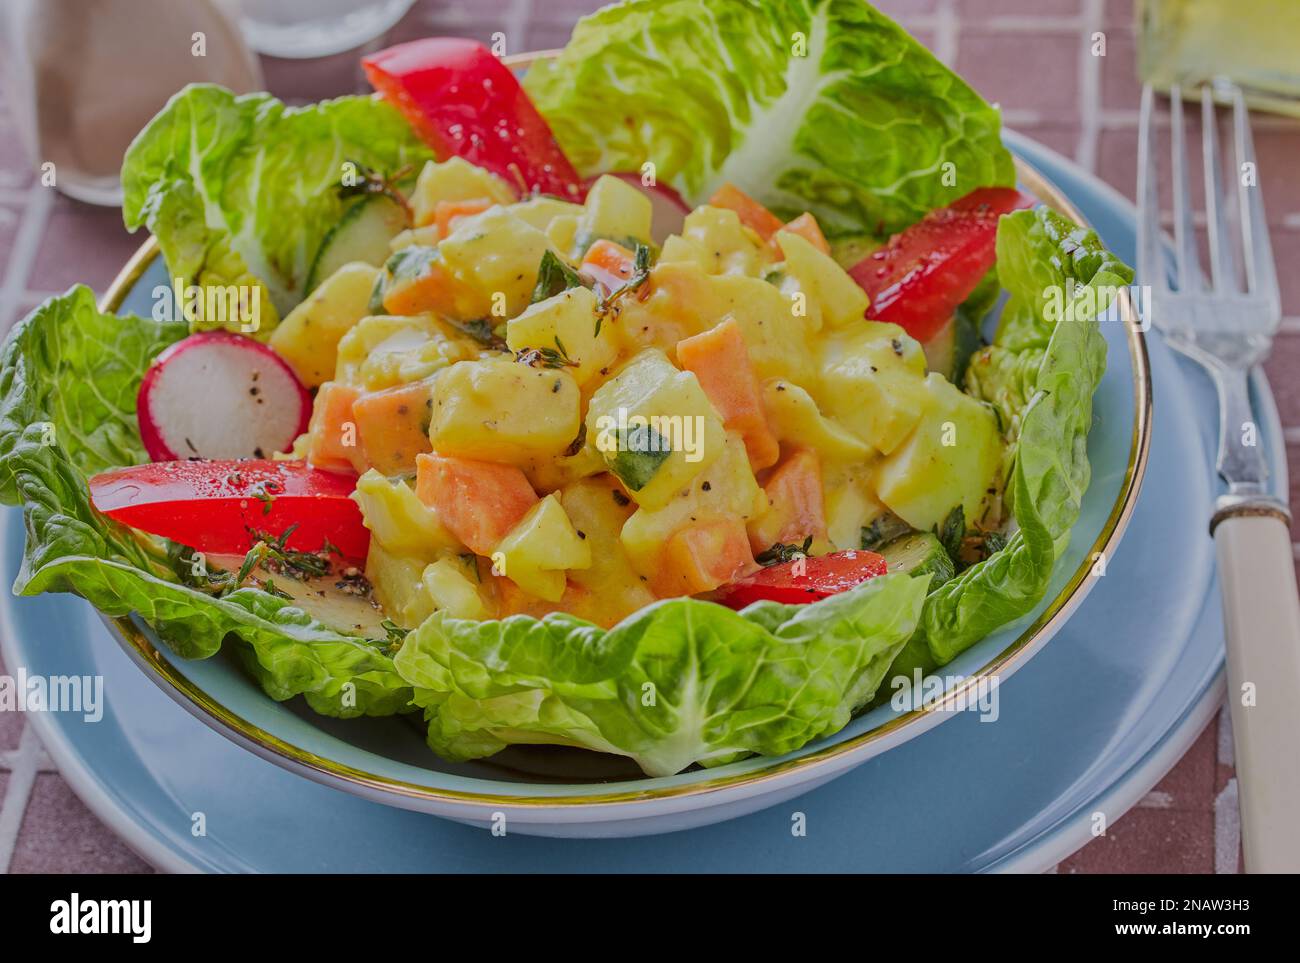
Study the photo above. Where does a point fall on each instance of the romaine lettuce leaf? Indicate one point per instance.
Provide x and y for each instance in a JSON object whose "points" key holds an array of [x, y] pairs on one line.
{"points": [[680, 682], [68, 381], [820, 105], [1040, 373], [242, 190]]}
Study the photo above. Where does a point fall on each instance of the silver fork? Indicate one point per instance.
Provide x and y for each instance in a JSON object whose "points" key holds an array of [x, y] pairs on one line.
{"points": [[1228, 329]]}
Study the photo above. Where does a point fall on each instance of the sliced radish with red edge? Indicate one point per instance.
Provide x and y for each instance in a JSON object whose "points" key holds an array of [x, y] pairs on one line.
{"points": [[216, 394]]}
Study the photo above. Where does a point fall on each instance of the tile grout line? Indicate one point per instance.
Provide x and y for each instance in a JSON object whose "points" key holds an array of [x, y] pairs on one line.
{"points": [[516, 21], [1085, 152], [22, 777], [946, 26]]}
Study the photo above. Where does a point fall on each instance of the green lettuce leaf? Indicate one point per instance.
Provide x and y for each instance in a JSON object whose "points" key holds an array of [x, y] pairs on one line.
{"points": [[820, 105], [242, 190], [680, 682], [1047, 359], [68, 381]]}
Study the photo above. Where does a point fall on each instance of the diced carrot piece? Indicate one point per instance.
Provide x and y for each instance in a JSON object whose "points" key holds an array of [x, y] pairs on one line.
{"points": [[806, 226], [720, 362], [394, 426], [752, 214], [434, 289], [446, 213], [334, 443], [796, 504], [478, 501], [704, 555], [609, 264]]}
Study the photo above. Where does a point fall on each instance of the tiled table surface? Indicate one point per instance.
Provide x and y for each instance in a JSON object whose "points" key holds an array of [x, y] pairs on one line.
{"points": [[1031, 56]]}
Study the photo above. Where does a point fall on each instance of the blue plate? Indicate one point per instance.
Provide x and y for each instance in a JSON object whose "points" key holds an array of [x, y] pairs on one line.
{"points": [[1089, 724]]}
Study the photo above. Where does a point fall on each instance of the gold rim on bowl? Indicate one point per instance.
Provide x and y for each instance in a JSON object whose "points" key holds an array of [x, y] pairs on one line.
{"points": [[322, 769]]}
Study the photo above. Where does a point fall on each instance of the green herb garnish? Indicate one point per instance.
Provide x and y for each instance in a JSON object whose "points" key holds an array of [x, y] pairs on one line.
{"points": [[782, 552]]}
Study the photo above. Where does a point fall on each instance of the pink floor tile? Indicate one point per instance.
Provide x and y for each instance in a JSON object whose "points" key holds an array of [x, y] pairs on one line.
{"points": [[60, 835], [973, 11], [1190, 784], [82, 244], [1120, 87], [1026, 75], [1150, 841]]}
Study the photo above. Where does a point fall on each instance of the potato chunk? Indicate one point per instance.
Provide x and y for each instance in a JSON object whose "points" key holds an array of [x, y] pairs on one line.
{"points": [[308, 337], [498, 409]]}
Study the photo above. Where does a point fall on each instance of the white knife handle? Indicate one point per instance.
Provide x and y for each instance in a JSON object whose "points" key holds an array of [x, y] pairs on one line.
{"points": [[1262, 619]]}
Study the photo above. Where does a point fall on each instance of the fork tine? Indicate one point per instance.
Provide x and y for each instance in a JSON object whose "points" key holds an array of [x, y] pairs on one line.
{"points": [[1189, 267], [1221, 261], [1151, 256], [1261, 273]]}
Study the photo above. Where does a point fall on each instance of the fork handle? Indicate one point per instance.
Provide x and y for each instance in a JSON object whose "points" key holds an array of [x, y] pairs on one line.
{"points": [[1262, 616]]}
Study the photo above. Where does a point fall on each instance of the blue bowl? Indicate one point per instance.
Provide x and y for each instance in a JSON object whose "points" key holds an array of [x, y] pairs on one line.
{"points": [[562, 792]]}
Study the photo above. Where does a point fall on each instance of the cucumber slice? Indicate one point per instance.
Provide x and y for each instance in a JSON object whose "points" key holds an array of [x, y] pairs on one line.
{"points": [[919, 553], [362, 234]]}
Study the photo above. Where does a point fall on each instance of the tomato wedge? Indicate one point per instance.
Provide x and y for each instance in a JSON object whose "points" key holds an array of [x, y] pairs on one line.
{"points": [[803, 580], [464, 102], [214, 506], [919, 278]]}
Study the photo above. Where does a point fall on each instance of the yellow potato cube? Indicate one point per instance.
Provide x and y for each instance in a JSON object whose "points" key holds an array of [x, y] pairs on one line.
{"points": [[839, 298], [308, 338], [498, 409], [399, 521], [452, 586], [455, 179], [726, 488], [398, 587], [873, 382], [951, 458], [567, 321], [496, 254], [616, 210], [655, 427], [537, 551]]}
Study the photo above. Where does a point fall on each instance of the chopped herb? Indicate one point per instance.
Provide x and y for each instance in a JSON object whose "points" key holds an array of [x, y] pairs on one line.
{"points": [[554, 277], [577, 444], [782, 552], [638, 455], [555, 357], [286, 561], [396, 634], [482, 331], [952, 532], [270, 588], [370, 181], [884, 529], [470, 561], [640, 275]]}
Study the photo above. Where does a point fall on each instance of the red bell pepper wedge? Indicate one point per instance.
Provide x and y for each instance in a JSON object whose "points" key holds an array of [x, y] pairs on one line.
{"points": [[215, 506], [919, 278], [464, 102], [803, 580]]}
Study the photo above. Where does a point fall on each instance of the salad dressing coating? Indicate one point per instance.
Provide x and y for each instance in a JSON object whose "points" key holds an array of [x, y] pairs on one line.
{"points": [[534, 379]]}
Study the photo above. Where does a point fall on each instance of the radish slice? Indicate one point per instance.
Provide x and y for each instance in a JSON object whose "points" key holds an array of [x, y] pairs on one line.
{"points": [[217, 394], [668, 210]]}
